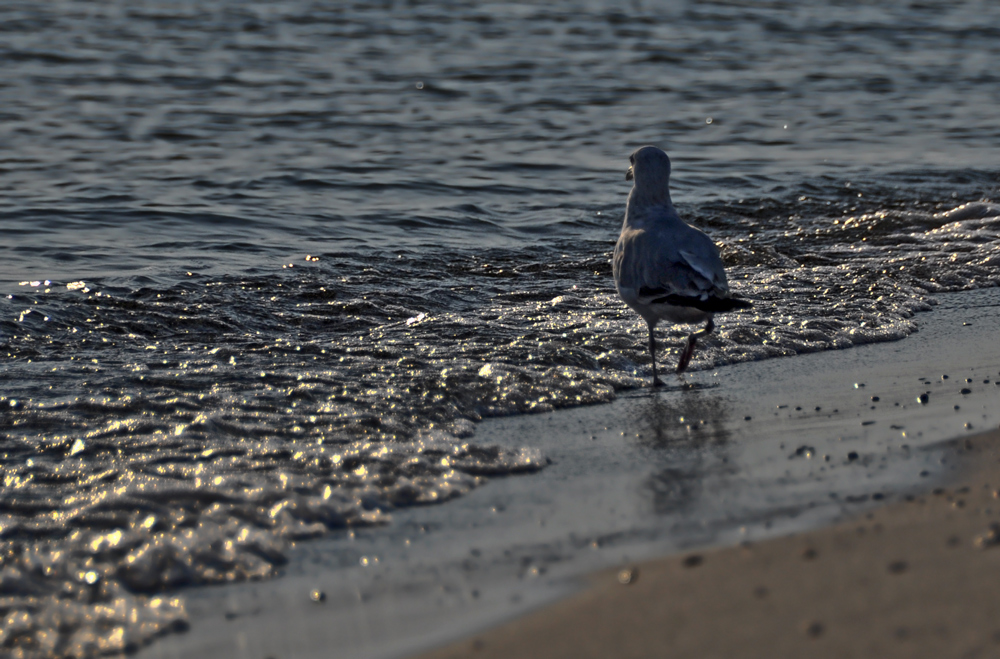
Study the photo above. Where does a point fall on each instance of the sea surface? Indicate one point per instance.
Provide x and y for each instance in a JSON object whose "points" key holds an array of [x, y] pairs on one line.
{"points": [[263, 266]]}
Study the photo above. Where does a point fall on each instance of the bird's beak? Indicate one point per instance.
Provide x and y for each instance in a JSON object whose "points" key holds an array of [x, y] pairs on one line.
{"points": [[628, 174]]}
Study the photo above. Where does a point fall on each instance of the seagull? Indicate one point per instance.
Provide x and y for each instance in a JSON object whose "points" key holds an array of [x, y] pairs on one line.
{"points": [[664, 268]]}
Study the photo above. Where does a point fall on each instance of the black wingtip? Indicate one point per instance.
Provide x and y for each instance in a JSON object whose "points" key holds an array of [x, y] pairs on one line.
{"points": [[710, 305]]}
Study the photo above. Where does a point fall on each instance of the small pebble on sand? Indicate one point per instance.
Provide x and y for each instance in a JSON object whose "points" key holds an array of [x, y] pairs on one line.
{"points": [[988, 539], [897, 567], [628, 576]]}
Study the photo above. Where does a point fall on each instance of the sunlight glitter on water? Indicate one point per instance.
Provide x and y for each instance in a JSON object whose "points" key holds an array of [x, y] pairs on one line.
{"points": [[453, 173], [190, 468]]}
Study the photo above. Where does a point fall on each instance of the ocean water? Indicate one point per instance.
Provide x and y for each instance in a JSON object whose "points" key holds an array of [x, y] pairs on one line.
{"points": [[264, 265]]}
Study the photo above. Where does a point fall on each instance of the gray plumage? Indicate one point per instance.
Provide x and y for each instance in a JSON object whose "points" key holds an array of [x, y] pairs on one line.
{"points": [[665, 269]]}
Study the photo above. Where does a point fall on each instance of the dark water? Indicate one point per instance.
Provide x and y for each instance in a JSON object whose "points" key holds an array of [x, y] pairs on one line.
{"points": [[264, 264]]}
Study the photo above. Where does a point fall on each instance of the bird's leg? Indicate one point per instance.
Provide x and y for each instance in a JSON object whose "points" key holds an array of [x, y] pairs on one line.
{"points": [[652, 353], [692, 340]]}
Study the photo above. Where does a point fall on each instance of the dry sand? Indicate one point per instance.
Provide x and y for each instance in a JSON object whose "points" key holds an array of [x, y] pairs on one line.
{"points": [[637, 479], [916, 578]]}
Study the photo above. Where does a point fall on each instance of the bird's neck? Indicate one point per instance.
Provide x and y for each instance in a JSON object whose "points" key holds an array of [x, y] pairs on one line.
{"points": [[643, 204]]}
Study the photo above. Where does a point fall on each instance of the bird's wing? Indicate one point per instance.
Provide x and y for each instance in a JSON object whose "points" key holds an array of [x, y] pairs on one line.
{"points": [[706, 263], [685, 263]]}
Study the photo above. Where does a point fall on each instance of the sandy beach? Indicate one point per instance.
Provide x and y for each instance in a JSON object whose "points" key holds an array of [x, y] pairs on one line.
{"points": [[916, 578], [823, 505], [312, 343]]}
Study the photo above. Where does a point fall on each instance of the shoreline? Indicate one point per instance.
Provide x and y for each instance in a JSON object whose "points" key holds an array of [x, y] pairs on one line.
{"points": [[749, 453], [912, 578]]}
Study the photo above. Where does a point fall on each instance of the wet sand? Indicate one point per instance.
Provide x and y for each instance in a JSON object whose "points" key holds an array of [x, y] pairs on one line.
{"points": [[759, 453], [916, 578]]}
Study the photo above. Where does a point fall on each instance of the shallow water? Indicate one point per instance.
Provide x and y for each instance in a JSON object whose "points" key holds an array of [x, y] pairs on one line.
{"points": [[744, 453], [263, 266]]}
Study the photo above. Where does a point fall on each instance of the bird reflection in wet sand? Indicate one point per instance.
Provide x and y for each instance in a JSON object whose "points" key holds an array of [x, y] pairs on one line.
{"points": [[688, 437], [665, 269], [695, 419]]}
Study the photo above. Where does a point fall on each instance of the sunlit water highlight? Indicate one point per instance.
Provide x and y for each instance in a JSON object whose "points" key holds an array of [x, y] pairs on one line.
{"points": [[264, 266]]}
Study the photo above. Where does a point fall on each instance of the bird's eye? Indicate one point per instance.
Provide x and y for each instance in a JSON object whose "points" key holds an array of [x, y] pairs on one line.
{"points": [[631, 159]]}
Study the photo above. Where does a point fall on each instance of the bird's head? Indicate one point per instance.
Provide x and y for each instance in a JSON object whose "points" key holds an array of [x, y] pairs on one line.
{"points": [[650, 169]]}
